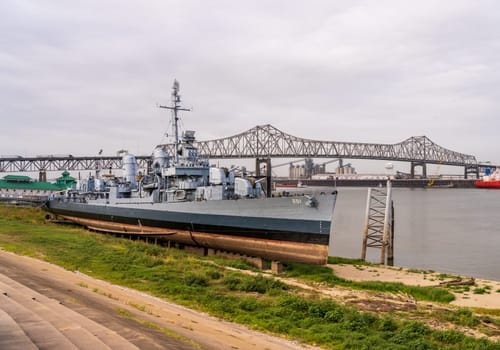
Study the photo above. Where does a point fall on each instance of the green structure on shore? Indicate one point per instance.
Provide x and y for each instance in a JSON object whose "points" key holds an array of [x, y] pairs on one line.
{"points": [[21, 187]]}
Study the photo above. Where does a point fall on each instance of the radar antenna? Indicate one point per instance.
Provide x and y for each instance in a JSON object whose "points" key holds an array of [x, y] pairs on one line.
{"points": [[176, 106]]}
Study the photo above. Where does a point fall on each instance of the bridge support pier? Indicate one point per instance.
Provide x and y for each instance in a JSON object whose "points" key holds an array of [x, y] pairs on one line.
{"points": [[416, 164], [267, 162], [42, 175], [471, 169]]}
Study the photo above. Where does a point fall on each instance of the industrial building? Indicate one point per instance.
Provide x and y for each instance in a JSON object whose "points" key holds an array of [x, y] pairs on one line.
{"points": [[24, 188]]}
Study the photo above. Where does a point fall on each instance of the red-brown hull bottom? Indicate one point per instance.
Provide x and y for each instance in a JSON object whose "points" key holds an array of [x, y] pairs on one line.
{"points": [[270, 249]]}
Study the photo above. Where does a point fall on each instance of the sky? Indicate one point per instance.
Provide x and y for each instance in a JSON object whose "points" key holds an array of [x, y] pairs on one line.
{"points": [[80, 76]]}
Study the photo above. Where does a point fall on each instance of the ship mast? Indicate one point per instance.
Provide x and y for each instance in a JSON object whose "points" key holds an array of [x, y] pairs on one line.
{"points": [[176, 106]]}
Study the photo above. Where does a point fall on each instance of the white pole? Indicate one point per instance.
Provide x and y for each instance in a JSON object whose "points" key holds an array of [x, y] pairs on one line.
{"points": [[387, 222]]}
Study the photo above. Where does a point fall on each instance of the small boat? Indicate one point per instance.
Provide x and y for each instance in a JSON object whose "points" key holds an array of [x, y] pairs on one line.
{"points": [[489, 180]]}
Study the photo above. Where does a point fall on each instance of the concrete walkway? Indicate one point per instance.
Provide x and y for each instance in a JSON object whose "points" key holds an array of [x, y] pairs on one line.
{"points": [[29, 320]]}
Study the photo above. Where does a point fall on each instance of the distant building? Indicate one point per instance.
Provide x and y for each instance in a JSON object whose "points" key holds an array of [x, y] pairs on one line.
{"points": [[318, 169], [65, 181], [20, 187], [297, 171], [310, 170], [346, 169]]}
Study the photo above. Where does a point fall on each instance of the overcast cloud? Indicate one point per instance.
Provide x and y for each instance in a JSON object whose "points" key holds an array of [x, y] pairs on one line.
{"points": [[79, 76]]}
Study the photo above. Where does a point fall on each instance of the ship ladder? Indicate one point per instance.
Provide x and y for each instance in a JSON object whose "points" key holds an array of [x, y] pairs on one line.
{"points": [[378, 231]]}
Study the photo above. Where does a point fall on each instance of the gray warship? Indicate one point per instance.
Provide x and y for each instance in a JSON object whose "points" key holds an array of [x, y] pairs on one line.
{"points": [[183, 199]]}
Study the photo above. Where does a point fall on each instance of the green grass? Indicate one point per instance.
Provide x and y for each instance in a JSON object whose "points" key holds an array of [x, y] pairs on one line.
{"points": [[460, 317], [347, 261], [482, 290], [260, 302], [169, 332], [324, 274]]}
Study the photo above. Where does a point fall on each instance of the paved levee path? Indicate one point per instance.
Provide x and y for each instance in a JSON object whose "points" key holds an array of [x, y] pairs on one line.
{"points": [[30, 320], [43, 306]]}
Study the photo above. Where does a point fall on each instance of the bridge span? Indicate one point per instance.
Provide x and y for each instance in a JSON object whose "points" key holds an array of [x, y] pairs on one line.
{"points": [[264, 142]]}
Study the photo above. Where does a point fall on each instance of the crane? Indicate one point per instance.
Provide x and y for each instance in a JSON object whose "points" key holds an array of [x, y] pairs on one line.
{"points": [[433, 179]]}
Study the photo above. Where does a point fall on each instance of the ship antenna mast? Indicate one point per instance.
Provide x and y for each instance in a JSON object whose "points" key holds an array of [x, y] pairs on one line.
{"points": [[176, 106]]}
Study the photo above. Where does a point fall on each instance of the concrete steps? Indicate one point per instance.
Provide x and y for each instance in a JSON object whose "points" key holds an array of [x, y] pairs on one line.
{"points": [[30, 320], [12, 336]]}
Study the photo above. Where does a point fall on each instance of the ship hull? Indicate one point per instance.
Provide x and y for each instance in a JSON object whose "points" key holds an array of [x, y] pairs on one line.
{"points": [[487, 184], [282, 229]]}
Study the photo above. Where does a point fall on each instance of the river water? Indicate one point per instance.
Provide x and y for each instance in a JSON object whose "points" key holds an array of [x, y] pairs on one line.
{"points": [[446, 230]]}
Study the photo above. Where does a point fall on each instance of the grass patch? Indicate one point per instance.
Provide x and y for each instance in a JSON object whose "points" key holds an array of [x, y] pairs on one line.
{"points": [[482, 290], [125, 313], [325, 275], [335, 260], [260, 302], [425, 272], [239, 264], [443, 276], [460, 317], [256, 284], [170, 333], [459, 289], [141, 308], [483, 311]]}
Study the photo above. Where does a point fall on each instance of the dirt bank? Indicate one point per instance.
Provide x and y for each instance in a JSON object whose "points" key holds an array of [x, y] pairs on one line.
{"points": [[487, 291]]}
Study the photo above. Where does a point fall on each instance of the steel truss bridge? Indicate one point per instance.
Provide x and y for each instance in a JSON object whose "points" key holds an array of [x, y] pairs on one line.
{"points": [[265, 142]]}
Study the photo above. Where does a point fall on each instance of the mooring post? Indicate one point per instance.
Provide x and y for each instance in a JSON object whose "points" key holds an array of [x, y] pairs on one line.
{"points": [[387, 222], [390, 253]]}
